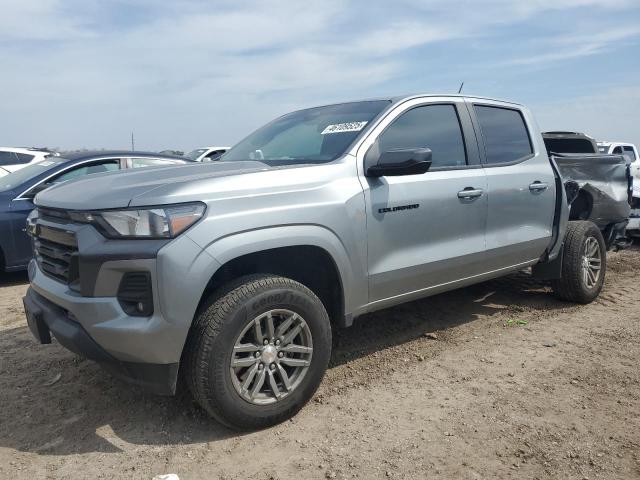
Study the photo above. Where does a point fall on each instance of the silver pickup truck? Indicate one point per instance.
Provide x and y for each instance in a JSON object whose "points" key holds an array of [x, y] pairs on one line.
{"points": [[231, 275]]}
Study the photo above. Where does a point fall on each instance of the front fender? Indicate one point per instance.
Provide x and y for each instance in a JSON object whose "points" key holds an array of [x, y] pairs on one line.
{"points": [[236, 245]]}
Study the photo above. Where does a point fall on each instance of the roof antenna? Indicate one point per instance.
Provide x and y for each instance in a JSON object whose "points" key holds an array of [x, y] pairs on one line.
{"points": [[460, 89]]}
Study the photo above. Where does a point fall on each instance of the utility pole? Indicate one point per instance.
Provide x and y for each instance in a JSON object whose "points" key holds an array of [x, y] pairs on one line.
{"points": [[133, 145]]}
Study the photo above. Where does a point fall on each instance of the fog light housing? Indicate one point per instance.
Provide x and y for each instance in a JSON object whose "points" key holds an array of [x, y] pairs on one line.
{"points": [[135, 294]]}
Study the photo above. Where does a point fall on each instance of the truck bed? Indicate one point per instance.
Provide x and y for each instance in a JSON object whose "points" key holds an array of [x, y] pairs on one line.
{"points": [[604, 186]]}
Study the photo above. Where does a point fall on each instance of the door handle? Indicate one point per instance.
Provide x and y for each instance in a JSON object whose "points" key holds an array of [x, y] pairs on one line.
{"points": [[470, 192], [538, 186]]}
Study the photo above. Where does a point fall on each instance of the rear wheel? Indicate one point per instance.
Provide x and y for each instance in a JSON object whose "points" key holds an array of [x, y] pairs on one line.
{"points": [[258, 351], [583, 265]]}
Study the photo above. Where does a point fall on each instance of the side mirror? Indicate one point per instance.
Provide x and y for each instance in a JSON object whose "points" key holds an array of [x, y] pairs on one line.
{"points": [[404, 161]]}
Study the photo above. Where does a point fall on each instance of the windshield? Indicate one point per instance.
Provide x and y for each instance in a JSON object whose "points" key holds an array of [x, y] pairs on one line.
{"points": [[314, 135], [194, 154], [17, 178]]}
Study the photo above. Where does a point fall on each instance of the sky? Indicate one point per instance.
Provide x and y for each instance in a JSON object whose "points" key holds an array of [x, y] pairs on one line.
{"points": [[187, 73]]}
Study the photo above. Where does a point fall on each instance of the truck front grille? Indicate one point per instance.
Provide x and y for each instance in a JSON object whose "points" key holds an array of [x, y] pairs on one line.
{"points": [[56, 252]]}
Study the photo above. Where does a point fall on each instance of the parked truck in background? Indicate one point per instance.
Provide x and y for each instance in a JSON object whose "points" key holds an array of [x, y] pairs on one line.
{"points": [[233, 274], [631, 152]]}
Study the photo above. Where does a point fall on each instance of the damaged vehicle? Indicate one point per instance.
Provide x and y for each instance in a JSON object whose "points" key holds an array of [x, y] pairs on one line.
{"points": [[605, 183], [629, 150], [233, 274]]}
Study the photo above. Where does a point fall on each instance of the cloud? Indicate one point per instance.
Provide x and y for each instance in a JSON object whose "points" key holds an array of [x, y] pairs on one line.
{"points": [[611, 115], [575, 45], [87, 72]]}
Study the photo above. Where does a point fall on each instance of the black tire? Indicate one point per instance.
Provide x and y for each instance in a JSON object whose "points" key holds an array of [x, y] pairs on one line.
{"points": [[572, 286], [216, 329]]}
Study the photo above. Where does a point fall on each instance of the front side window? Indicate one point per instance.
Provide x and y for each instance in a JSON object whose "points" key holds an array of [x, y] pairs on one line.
{"points": [[505, 134], [314, 135], [630, 153], [16, 179], [436, 127], [99, 167]]}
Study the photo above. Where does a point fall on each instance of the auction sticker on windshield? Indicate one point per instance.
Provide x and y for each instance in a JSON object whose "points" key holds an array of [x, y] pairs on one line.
{"points": [[344, 127]]}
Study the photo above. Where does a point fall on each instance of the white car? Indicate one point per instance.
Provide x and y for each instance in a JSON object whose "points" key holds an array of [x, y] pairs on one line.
{"points": [[206, 154], [12, 159], [630, 150], [619, 148]]}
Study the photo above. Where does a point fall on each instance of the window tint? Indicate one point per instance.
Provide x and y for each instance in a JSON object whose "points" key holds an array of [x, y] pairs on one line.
{"points": [[505, 134], [617, 151], [8, 158], [568, 145], [24, 158], [101, 167], [14, 158], [18, 178], [213, 156], [629, 151], [151, 162], [433, 126]]}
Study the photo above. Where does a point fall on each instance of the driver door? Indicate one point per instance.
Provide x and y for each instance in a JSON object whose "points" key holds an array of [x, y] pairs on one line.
{"points": [[428, 230]]}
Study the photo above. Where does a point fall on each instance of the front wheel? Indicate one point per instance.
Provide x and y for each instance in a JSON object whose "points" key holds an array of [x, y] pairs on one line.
{"points": [[258, 351], [583, 265]]}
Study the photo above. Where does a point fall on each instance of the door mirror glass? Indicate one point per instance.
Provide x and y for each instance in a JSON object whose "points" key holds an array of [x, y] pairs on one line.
{"points": [[401, 161]]}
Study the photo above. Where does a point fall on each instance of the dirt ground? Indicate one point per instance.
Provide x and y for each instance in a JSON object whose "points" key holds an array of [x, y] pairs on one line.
{"points": [[499, 380]]}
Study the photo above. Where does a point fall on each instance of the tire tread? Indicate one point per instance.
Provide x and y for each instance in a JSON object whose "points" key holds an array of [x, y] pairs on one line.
{"points": [[207, 326], [569, 287]]}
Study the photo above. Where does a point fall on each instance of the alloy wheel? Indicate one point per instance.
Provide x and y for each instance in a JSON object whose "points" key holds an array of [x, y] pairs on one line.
{"points": [[271, 356]]}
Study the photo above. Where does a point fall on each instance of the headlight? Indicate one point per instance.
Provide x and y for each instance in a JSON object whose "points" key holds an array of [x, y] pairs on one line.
{"points": [[156, 222]]}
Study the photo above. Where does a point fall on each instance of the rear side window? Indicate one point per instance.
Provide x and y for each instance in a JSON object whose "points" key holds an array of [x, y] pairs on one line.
{"points": [[12, 158], [617, 151], [24, 158], [151, 162], [505, 134], [433, 126]]}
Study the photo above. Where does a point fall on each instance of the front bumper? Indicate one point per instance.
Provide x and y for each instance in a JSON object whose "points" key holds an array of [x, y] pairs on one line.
{"points": [[86, 317], [45, 318]]}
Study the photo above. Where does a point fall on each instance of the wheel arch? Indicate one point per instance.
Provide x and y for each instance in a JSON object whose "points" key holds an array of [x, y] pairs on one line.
{"points": [[310, 254], [582, 206]]}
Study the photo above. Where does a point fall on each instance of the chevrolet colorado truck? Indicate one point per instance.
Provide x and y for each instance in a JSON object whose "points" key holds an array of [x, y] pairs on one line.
{"points": [[231, 275]]}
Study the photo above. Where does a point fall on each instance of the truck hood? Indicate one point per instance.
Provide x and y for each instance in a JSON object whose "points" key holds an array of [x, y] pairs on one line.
{"points": [[120, 189]]}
